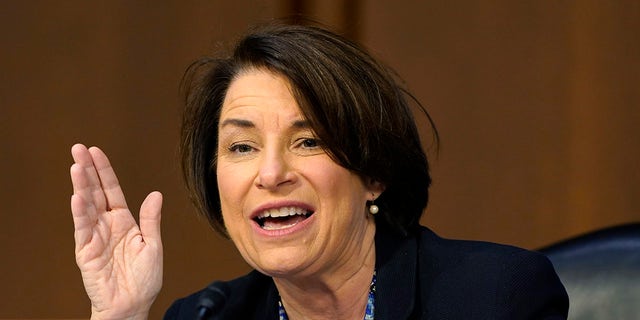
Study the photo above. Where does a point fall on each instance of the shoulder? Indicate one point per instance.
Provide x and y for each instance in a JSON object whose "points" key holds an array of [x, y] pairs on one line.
{"points": [[518, 282], [450, 252], [254, 289]]}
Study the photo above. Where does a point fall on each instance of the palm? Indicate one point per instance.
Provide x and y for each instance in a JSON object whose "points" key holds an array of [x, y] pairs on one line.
{"points": [[121, 263]]}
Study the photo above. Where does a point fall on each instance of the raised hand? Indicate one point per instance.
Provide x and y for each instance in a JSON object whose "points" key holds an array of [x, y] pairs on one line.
{"points": [[121, 263]]}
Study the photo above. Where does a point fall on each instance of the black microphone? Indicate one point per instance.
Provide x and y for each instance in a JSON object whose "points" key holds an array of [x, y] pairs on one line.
{"points": [[212, 300]]}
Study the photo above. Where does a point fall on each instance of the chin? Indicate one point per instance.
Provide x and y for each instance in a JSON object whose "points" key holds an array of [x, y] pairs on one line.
{"points": [[282, 264]]}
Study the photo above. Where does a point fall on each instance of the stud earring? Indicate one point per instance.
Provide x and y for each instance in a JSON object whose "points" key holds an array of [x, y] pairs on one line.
{"points": [[373, 209]]}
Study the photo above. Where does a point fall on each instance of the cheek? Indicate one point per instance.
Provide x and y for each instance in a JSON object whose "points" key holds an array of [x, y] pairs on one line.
{"points": [[233, 189], [230, 205], [338, 185]]}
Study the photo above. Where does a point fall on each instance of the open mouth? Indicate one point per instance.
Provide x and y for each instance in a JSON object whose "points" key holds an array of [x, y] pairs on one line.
{"points": [[281, 218]]}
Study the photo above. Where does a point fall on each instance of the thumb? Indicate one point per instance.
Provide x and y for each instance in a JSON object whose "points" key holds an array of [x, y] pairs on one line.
{"points": [[150, 217]]}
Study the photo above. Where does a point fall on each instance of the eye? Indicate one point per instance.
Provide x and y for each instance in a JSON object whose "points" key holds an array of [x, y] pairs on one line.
{"points": [[307, 146], [241, 148], [309, 143]]}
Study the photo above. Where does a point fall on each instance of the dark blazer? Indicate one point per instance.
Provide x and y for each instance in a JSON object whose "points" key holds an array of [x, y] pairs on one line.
{"points": [[426, 277]]}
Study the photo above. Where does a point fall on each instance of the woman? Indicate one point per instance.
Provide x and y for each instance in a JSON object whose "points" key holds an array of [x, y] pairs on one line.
{"points": [[302, 149]]}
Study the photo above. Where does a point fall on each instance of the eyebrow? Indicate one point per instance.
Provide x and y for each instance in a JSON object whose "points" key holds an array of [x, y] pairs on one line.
{"points": [[300, 124], [238, 123]]}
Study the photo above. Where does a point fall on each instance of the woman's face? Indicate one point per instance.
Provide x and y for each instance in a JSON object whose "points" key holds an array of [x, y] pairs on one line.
{"points": [[289, 208]]}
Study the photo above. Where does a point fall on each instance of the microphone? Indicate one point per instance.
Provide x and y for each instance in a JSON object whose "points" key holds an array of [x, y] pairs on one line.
{"points": [[212, 300]]}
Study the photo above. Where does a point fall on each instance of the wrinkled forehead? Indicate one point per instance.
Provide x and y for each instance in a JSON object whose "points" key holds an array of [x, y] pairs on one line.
{"points": [[257, 93]]}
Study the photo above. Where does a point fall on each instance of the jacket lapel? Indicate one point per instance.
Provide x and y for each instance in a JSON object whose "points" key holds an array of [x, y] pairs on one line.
{"points": [[396, 264]]}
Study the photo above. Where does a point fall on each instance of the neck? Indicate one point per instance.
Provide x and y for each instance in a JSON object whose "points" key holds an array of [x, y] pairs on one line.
{"points": [[340, 293]]}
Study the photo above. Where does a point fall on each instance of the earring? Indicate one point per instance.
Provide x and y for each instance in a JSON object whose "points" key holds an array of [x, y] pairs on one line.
{"points": [[373, 209]]}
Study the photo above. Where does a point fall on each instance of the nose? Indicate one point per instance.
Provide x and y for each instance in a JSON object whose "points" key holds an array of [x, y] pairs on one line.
{"points": [[274, 171]]}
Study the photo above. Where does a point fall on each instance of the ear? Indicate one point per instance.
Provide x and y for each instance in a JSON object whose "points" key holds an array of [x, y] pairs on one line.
{"points": [[374, 187]]}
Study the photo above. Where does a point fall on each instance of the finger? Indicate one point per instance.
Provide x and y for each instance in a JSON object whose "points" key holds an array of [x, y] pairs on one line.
{"points": [[84, 220], [84, 177], [150, 212], [83, 190], [109, 181]]}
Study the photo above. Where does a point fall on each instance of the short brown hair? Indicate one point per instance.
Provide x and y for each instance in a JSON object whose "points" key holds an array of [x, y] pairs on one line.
{"points": [[352, 102]]}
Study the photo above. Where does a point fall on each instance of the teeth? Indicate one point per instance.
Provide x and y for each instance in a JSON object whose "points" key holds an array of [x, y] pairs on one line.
{"points": [[278, 227], [282, 212]]}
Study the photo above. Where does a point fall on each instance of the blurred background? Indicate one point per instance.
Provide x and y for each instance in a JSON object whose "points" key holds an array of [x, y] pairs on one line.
{"points": [[536, 103]]}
